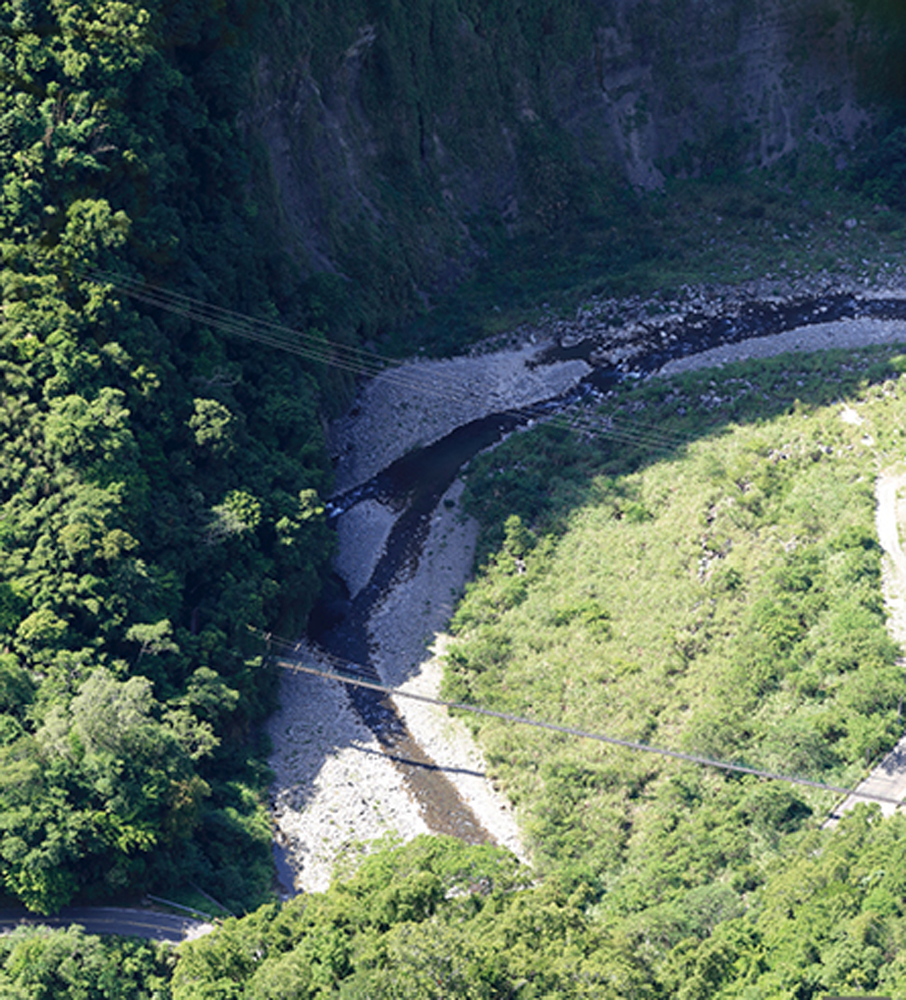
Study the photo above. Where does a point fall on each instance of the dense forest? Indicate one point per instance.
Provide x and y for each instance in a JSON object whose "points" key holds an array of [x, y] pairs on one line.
{"points": [[160, 482], [162, 479]]}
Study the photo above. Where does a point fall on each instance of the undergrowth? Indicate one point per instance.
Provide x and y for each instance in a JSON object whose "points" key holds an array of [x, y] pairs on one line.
{"points": [[797, 221], [694, 565]]}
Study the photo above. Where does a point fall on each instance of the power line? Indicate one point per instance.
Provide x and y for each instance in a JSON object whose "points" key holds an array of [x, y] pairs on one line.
{"points": [[357, 361], [167, 299], [371, 364], [633, 745]]}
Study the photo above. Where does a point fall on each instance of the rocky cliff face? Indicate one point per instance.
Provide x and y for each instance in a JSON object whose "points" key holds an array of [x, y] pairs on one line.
{"points": [[712, 84], [396, 138]]}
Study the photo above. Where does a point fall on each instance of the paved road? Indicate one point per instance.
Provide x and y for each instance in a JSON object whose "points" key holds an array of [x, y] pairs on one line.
{"points": [[111, 920], [888, 779]]}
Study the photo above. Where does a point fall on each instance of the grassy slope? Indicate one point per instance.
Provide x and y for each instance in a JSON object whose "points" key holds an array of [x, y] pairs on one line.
{"points": [[705, 577]]}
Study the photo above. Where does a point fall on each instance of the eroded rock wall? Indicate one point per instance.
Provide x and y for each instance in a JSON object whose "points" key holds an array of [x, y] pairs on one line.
{"points": [[397, 136]]}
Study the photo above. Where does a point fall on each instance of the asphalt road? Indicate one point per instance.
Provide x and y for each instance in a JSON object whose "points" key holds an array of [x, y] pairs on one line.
{"points": [[111, 920]]}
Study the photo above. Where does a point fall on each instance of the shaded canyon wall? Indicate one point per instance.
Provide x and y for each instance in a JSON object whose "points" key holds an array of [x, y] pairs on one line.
{"points": [[398, 140]]}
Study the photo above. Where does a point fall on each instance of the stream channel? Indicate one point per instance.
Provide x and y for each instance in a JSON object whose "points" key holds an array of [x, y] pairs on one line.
{"points": [[413, 485]]}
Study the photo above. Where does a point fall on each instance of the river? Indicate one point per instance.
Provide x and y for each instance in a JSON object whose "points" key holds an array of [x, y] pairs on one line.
{"points": [[393, 473]]}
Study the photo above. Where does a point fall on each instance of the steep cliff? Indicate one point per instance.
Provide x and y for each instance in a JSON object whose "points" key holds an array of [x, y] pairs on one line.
{"points": [[399, 139]]}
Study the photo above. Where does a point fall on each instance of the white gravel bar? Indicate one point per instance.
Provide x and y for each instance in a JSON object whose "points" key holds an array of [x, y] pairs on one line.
{"points": [[848, 334], [362, 534], [334, 789], [418, 403], [407, 641]]}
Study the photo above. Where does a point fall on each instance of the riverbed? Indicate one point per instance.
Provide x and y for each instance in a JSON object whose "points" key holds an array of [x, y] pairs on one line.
{"points": [[352, 767]]}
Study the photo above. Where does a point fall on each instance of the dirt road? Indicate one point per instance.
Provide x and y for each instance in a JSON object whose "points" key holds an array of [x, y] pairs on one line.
{"points": [[888, 778]]}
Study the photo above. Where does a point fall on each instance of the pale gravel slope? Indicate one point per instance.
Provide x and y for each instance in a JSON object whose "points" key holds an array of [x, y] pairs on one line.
{"points": [[362, 534], [845, 334], [333, 786], [409, 620], [420, 402], [888, 778]]}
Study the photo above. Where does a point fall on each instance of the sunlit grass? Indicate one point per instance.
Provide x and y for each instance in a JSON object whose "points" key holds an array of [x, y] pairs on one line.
{"points": [[721, 596]]}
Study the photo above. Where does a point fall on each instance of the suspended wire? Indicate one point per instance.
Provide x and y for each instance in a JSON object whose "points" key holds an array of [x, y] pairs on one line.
{"points": [[262, 331], [361, 362], [165, 295], [435, 384], [633, 745], [369, 364], [309, 347]]}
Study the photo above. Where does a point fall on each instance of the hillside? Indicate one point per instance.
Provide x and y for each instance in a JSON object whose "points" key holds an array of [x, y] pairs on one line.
{"points": [[694, 567], [209, 215], [751, 522], [405, 148], [158, 480]]}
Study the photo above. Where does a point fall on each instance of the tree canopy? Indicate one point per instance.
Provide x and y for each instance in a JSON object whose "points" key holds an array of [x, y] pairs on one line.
{"points": [[159, 484]]}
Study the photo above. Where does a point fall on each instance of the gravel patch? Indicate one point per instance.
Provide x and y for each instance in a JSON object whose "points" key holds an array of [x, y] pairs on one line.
{"points": [[891, 514], [847, 334], [418, 403], [196, 929], [362, 534], [887, 778], [450, 743], [334, 789], [410, 619], [415, 609]]}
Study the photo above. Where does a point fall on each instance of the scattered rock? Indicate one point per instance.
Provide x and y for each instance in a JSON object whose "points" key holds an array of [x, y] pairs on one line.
{"points": [[847, 334]]}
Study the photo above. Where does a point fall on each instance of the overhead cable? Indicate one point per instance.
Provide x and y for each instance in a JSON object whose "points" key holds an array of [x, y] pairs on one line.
{"points": [[633, 745], [369, 364]]}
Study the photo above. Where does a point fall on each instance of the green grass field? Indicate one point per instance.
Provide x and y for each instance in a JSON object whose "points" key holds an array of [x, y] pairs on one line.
{"points": [[695, 567]]}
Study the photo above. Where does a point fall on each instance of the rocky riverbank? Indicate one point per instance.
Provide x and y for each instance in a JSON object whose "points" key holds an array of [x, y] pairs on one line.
{"points": [[420, 402], [335, 787], [841, 335]]}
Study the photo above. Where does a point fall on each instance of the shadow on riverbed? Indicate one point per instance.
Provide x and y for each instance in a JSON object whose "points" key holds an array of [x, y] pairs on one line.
{"points": [[339, 781], [542, 478], [425, 765]]}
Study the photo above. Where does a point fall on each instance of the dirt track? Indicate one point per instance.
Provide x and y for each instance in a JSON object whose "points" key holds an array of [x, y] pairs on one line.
{"points": [[888, 778]]}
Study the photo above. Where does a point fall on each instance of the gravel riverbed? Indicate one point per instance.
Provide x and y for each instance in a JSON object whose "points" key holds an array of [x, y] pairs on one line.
{"points": [[420, 402], [845, 334], [334, 787]]}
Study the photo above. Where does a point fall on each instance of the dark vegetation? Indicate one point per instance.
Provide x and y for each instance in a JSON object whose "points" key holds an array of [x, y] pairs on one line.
{"points": [[160, 483], [160, 488], [40, 964], [800, 220], [436, 919]]}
